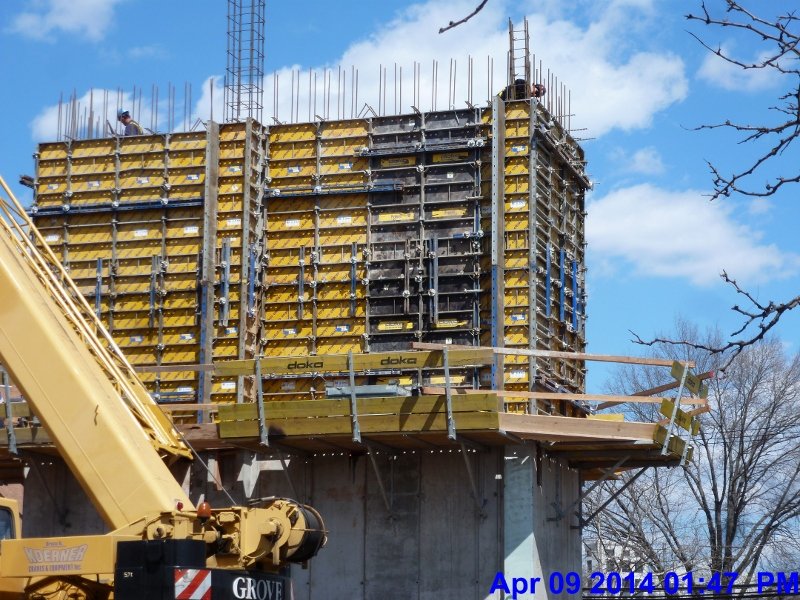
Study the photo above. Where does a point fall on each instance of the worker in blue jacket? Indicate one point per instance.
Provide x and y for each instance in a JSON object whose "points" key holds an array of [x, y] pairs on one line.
{"points": [[131, 126]]}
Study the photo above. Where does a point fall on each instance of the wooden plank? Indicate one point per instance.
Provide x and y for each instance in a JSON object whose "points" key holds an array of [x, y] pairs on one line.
{"points": [[177, 407], [605, 397], [26, 435], [608, 417], [285, 409], [566, 428], [631, 360], [175, 368], [337, 363], [670, 386], [369, 424]]}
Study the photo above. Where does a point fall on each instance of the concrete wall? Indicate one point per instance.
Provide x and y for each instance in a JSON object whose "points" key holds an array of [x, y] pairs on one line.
{"points": [[433, 541]]}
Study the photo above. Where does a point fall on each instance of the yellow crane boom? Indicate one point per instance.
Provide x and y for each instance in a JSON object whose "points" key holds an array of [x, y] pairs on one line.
{"points": [[97, 410]]}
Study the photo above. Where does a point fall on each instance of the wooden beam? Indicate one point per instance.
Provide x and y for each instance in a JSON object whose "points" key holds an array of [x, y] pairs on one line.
{"points": [[174, 368], [630, 360], [309, 409], [658, 389], [410, 423], [568, 428], [604, 397]]}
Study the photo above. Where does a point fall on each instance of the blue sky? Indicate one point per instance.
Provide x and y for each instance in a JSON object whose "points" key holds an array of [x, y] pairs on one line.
{"points": [[638, 81]]}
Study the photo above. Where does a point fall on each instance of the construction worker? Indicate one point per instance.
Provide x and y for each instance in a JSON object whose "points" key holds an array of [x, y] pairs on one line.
{"points": [[131, 126]]}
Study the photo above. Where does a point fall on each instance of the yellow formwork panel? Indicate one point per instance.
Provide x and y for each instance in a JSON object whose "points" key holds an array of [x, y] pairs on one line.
{"points": [[516, 184], [517, 109], [187, 141], [52, 168], [339, 254], [294, 168], [515, 203], [142, 161], [517, 221], [223, 385], [337, 272], [517, 149], [516, 165], [92, 164], [395, 215], [290, 151], [344, 218], [515, 317], [345, 180], [285, 279], [51, 186], [181, 159], [516, 278], [280, 309], [228, 223], [332, 202], [140, 356], [339, 309], [231, 185], [91, 198], [180, 300], [286, 345], [276, 206], [340, 345], [234, 131], [288, 222], [285, 257], [334, 237], [338, 292], [96, 147], [342, 165], [232, 151], [92, 182], [225, 349], [516, 259], [292, 133], [140, 178], [345, 147], [291, 238], [516, 374], [53, 150], [517, 130], [344, 128], [282, 386], [227, 203], [450, 213], [516, 298], [181, 354], [141, 143]]}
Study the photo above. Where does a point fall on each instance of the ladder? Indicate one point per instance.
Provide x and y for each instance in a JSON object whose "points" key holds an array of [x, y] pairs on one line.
{"points": [[519, 61]]}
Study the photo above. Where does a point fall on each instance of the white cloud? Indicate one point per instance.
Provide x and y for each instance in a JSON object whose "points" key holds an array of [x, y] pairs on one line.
{"points": [[646, 161], [759, 206], [149, 51], [609, 88], [720, 72], [87, 18], [663, 233]]}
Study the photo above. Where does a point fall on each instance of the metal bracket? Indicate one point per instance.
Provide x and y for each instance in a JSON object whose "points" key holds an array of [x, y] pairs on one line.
{"points": [[448, 391], [224, 302], [301, 282], [353, 399], [616, 493], [263, 433], [560, 514], [353, 278], [155, 268], [479, 503], [675, 409], [12, 436], [387, 500], [98, 291]]}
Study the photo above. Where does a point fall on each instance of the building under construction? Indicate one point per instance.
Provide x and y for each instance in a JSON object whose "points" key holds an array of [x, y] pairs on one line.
{"points": [[381, 316]]}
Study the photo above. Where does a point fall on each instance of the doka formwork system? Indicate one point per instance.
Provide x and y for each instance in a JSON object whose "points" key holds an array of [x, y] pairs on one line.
{"points": [[458, 227]]}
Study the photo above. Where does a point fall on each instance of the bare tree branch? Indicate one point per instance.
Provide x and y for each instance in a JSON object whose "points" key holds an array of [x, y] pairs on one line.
{"points": [[781, 40], [465, 19]]}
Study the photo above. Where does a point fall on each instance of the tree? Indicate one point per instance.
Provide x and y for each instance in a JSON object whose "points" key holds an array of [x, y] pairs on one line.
{"points": [[733, 507], [772, 134]]}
